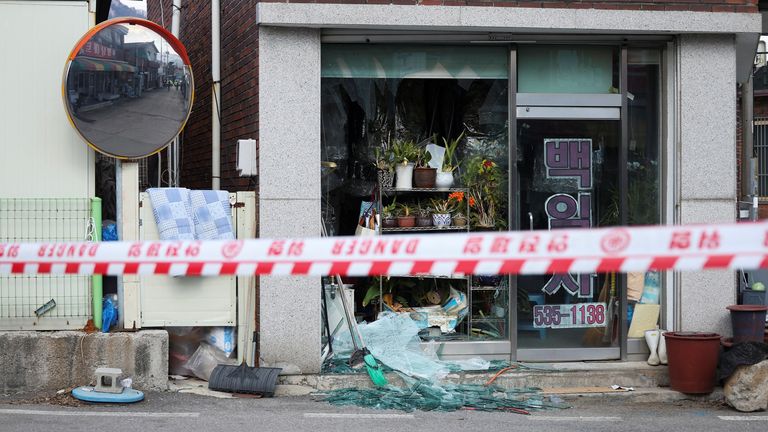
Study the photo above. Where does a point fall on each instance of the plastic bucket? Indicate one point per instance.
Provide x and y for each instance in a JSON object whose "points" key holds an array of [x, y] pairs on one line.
{"points": [[748, 322], [692, 361]]}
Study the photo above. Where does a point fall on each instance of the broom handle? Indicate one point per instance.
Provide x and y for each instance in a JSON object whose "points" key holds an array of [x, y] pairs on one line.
{"points": [[354, 331]]}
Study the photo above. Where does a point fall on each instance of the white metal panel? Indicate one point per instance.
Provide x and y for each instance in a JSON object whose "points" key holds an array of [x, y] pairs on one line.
{"points": [[246, 286], [42, 155], [183, 301]]}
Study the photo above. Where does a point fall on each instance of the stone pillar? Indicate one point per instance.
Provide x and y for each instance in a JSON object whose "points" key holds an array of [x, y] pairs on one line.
{"points": [[708, 181], [289, 187]]}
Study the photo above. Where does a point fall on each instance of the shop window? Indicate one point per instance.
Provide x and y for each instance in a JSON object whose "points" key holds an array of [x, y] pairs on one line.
{"points": [[567, 69], [375, 96], [644, 290]]}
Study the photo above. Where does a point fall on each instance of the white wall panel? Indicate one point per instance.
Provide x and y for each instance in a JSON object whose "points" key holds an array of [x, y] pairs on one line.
{"points": [[41, 155]]}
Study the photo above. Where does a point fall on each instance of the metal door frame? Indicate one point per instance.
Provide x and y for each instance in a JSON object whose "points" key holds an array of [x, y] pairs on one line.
{"points": [[582, 107]]}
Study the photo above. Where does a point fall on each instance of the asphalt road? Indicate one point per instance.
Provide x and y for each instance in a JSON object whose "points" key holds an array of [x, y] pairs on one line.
{"points": [[187, 412]]}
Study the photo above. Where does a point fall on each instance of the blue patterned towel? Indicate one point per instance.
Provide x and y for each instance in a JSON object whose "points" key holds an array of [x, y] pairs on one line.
{"points": [[172, 213], [211, 214]]}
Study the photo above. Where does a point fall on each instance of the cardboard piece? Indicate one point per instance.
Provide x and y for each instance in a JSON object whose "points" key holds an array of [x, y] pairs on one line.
{"points": [[645, 317], [635, 285]]}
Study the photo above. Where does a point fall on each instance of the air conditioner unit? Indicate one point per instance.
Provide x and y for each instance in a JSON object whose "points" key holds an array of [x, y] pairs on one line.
{"points": [[246, 158]]}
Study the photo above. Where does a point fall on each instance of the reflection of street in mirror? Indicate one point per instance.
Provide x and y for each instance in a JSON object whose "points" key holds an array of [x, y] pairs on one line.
{"points": [[128, 91]]}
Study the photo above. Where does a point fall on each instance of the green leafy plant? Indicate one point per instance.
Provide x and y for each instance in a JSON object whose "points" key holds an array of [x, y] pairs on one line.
{"points": [[450, 159], [385, 159], [405, 151], [484, 179], [389, 210], [405, 209], [423, 157]]}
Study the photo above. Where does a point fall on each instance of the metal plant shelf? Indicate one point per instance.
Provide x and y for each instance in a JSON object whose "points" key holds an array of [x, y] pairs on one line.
{"points": [[434, 190], [431, 276], [429, 228], [488, 288]]}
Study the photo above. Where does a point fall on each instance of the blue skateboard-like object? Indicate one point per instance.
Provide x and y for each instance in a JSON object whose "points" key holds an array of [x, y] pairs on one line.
{"points": [[88, 394]]}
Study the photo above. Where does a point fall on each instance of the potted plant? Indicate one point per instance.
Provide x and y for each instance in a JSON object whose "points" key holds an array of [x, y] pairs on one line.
{"points": [[404, 153], [442, 212], [444, 178], [459, 219], [385, 167], [389, 215], [406, 218], [423, 216], [424, 175], [484, 179], [484, 214]]}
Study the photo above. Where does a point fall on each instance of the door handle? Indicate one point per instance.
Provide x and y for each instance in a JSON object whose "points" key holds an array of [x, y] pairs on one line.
{"points": [[530, 221]]}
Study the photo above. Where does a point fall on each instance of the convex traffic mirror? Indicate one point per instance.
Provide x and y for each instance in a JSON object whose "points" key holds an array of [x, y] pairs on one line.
{"points": [[128, 88]]}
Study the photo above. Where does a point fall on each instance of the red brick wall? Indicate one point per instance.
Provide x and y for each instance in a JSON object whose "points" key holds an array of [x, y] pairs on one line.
{"points": [[239, 87], [689, 5]]}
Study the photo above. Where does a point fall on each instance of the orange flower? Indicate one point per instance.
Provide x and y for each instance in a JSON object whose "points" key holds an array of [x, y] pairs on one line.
{"points": [[471, 202], [457, 196], [488, 164]]}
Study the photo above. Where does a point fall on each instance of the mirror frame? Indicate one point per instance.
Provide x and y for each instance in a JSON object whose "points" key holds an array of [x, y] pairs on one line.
{"points": [[165, 34]]}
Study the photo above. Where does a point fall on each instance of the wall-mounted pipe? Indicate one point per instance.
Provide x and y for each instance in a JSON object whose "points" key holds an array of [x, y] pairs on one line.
{"points": [[215, 96]]}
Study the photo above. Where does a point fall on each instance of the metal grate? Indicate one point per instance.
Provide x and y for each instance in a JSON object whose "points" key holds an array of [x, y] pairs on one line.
{"points": [[761, 153], [44, 220]]}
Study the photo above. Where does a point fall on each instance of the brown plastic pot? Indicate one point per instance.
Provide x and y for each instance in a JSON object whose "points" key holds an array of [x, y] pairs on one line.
{"points": [[406, 221], [692, 361], [389, 222], [424, 177], [748, 322]]}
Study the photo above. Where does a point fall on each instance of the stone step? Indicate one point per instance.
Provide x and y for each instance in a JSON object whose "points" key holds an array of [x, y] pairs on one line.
{"points": [[576, 374]]}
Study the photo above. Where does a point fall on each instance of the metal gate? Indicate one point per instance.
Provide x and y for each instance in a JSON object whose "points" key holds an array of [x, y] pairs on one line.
{"points": [[761, 154], [44, 220]]}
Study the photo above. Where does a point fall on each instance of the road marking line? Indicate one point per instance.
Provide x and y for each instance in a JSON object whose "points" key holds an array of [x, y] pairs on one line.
{"points": [[743, 418], [359, 416], [576, 419], [97, 413]]}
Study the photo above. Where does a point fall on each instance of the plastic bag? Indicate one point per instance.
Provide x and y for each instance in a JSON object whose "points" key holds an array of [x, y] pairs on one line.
{"points": [[747, 353], [182, 343], [223, 338], [108, 314], [205, 359]]}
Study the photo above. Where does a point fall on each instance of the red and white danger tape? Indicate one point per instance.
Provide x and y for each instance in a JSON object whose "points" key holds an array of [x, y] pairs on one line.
{"points": [[621, 249]]}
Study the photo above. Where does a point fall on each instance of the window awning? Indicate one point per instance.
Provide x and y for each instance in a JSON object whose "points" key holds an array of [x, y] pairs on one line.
{"points": [[102, 65]]}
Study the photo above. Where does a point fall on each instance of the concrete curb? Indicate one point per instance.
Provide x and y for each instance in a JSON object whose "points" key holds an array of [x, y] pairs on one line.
{"points": [[49, 361]]}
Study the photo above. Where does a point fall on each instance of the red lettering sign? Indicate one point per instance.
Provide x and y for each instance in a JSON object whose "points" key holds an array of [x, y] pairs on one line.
{"points": [[529, 244], [558, 243], [296, 248], [680, 240], [500, 245], [276, 248], [709, 241], [473, 246], [134, 250]]}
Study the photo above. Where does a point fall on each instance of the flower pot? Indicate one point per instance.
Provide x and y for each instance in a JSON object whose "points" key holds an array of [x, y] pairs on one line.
{"points": [[692, 361], [386, 178], [748, 322], [459, 221], [389, 222], [441, 219], [404, 176], [444, 180], [424, 221], [424, 177], [406, 221]]}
